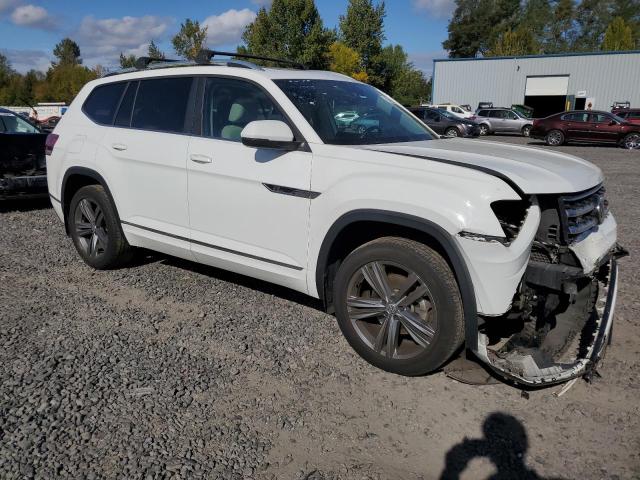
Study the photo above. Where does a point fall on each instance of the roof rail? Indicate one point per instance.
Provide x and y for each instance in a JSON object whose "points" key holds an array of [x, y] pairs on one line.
{"points": [[204, 57], [143, 62]]}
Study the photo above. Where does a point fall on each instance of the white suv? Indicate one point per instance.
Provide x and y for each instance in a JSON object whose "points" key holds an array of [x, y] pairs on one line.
{"points": [[418, 244]]}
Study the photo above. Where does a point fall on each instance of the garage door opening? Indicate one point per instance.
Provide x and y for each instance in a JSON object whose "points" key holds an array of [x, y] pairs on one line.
{"points": [[546, 95]]}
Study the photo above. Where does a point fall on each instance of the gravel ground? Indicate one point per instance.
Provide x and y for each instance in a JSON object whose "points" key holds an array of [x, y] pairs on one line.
{"points": [[168, 369]]}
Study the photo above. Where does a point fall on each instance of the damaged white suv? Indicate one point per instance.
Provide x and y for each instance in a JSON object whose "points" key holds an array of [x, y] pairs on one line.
{"points": [[418, 244]]}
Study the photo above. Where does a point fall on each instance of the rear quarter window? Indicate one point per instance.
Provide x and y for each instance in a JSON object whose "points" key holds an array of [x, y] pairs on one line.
{"points": [[103, 101]]}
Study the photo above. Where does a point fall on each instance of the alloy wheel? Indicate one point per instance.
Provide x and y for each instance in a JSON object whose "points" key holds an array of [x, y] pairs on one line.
{"points": [[526, 131], [392, 310], [554, 138], [452, 132], [91, 228], [484, 130], [632, 141]]}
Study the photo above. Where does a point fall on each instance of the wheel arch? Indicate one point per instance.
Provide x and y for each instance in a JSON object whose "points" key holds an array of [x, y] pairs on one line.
{"points": [[74, 179], [361, 226]]}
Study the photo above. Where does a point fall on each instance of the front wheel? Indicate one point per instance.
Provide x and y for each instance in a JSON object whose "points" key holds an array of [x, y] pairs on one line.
{"points": [[451, 132], [484, 130], [554, 138], [632, 141], [526, 130], [95, 230], [398, 305]]}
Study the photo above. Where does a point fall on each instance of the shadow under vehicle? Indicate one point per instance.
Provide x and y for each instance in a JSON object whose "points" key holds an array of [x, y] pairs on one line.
{"points": [[23, 170]]}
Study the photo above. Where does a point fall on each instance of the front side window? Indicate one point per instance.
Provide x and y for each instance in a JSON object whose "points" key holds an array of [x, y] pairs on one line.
{"points": [[600, 118], [10, 123], [161, 104], [230, 104], [431, 115], [103, 101], [380, 119], [483, 113]]}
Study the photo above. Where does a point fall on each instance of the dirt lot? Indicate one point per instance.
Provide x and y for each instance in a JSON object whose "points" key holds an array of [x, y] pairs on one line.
{"points": [[168, 369]]}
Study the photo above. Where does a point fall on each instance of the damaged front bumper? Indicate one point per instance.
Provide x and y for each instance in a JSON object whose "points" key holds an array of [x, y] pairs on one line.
{"points": [[23, 186], [527, 365]]}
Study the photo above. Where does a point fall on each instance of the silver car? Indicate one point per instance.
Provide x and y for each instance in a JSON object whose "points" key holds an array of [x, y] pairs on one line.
{"points": [[503, 120]]}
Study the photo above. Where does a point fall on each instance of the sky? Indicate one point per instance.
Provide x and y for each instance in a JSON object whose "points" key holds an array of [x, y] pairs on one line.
{"points": [[29, 29]]}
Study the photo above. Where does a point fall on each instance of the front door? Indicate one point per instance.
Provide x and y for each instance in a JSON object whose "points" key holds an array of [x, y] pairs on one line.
{"points": [[248, 207], [605, 128]]}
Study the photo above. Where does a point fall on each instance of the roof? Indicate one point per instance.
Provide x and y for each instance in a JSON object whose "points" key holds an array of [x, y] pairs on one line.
{"points": [[549, 55]]}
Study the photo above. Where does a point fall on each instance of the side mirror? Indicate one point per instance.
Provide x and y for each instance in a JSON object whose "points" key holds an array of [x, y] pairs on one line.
{"points": [[271, 134]]}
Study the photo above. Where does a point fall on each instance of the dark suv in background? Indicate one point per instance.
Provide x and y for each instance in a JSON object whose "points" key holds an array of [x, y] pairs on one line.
{"points": [[587, 126], [445, 123]]}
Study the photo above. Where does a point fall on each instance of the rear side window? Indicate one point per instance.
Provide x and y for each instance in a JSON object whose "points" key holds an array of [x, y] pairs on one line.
{"points": [[103, 101], [483, 113], [161, 104], [576, 117], [123, 117]]}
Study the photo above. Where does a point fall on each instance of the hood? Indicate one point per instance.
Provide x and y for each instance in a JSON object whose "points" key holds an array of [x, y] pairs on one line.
{"points": [[533, 170]]}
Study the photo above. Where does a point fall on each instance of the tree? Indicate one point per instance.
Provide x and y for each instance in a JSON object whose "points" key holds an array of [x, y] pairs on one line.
{"points": [[343, 59], [514, 42], [155, 52], [65, 81], [67, 52], [410, 88], [362, 29], [190, 39], [562, 33], [592, 18], [618, 36], [127, 61], [290, 29]]}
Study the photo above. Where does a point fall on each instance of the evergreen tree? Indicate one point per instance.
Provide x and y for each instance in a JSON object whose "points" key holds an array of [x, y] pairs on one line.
{"points": [[67, 52], [562, 33], [618, 36], [155, 52], [127, 61], [190, 39], [292, 30], [514, 42]]}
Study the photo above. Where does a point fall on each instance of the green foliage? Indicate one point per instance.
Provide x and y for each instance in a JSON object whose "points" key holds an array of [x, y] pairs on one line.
{"points": [[63, 82], [155, 52], [618, 36], [362, 29], [401, 79], [67, 52], [190, 39], [514, 42], [290, 29], [127, 61], [343, 59]]}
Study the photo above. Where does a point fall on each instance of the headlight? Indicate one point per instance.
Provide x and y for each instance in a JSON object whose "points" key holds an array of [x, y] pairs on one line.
{"points": [[511, 214]]}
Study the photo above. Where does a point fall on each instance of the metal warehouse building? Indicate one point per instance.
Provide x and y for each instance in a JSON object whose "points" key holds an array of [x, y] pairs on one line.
{"points": [[547, 83]]}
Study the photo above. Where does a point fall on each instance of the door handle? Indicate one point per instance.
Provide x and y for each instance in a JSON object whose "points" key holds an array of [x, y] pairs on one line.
{"points": [[119, 146], [199, 158]]}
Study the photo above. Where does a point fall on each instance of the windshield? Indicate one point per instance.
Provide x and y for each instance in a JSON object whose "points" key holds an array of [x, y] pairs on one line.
{"points": [[378, 119], [449, 115], [10, 123]]}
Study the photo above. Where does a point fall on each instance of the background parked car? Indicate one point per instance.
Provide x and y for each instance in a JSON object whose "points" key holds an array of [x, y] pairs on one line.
{"points": [[445, 123], [455, 109], [523, 110], [482, 105], [49, 124], [502, 120], [631, 115], [583, 126], [22, 161]]}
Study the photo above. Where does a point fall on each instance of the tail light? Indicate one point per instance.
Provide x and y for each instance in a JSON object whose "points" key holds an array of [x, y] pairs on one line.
{"points": [[472, 117], [52, 138]]}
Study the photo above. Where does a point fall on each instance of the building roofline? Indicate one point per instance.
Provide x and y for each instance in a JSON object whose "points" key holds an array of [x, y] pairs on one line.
{"points": [[549, 55]]}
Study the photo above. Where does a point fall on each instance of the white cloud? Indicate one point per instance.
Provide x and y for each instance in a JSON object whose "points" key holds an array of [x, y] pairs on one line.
{"points": [[227, 27], [424, 60], [436, 8], [33, 16], [102, 40], [25, 60]]}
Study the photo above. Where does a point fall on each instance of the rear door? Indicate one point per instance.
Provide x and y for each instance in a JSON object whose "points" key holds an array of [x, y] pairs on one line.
{"points": [[577, 126], [146, 154], [498, 118], [249, 207]]}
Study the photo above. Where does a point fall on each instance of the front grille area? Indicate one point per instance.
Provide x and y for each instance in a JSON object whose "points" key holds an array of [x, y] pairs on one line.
{"points": [[582, 213]]}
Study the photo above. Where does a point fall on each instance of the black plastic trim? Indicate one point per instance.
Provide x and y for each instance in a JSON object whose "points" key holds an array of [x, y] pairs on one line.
{"points": [[54, 198], [294, 192], [440, 235], [215, 247], [287, 146]]}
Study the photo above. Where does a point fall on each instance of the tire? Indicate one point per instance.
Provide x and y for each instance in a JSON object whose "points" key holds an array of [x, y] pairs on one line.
{"points": [[526, 131], [427, 329], [484, 130], [451, 132], [95, 229], [554, 138], [632, 141]]}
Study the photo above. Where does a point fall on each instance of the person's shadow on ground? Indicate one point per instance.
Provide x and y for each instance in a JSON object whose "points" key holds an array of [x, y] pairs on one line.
{"points": [[505, 444]]}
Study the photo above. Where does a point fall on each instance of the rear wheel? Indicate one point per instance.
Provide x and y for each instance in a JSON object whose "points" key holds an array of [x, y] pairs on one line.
{"points": [[526, 130], [484, 129], [632, 141], [398, 305], [95, 230], [451, 132], [554, 138]]}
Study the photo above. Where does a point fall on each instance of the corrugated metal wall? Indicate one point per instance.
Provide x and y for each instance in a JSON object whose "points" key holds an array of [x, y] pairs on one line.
{"points": [[605, 77]]}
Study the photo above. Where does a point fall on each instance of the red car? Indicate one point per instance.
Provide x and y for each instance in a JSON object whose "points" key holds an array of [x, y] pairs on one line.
{"points": [[631, 115], [586, 126]]}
